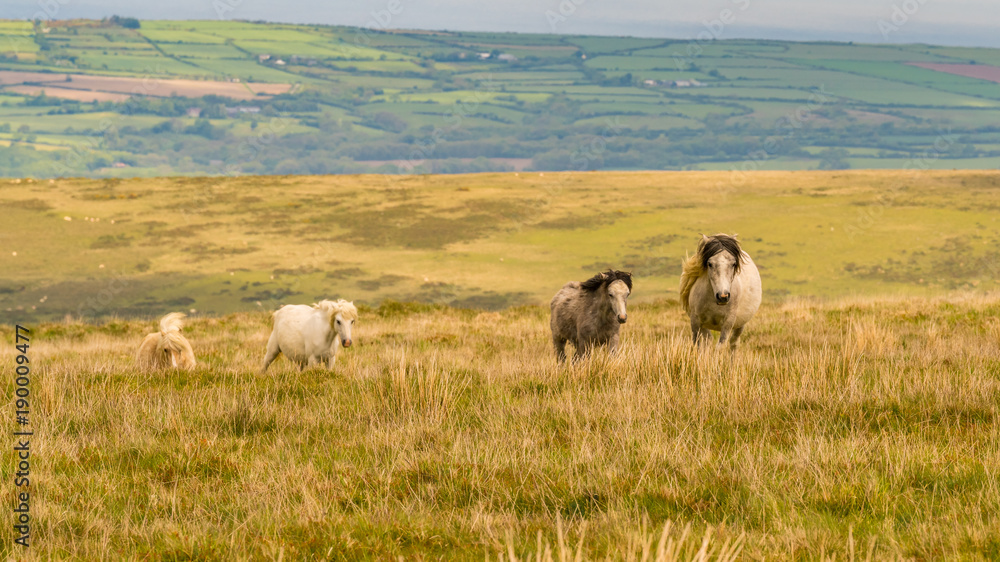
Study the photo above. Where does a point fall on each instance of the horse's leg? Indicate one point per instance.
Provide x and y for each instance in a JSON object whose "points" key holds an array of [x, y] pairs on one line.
{"points": [[333, 359], [704, 337], [583, 343], [695, 330], [272, 353], [310, 363], [613, 344], [724, 334], [560, 345], [734, 337]]}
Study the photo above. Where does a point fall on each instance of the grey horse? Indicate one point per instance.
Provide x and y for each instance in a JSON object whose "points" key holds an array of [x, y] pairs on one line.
{"points": [[590, 313], [720, 289]]}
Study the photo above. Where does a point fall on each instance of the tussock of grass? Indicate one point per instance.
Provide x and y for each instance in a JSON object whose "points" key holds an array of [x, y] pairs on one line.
{"points": [[839, 430], [642, 545]]}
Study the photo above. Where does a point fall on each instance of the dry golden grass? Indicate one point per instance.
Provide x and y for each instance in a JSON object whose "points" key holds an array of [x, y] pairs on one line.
{"points": [[851, 429]]}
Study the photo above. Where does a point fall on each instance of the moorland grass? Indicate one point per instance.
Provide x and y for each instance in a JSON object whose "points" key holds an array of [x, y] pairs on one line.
{"points": [[845, 428], [220, 245]]}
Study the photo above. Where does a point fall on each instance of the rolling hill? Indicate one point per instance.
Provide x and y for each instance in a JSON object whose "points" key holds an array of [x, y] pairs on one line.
{"points": [[98, 98], [94, 248]]}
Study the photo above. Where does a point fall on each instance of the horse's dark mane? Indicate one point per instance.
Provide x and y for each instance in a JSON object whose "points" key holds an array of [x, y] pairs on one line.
{"points": [[606, 278], [720, 243]]}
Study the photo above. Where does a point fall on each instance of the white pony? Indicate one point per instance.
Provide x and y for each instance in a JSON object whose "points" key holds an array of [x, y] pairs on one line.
{"points": [[720, 289], [310, 334], [166, 348]]}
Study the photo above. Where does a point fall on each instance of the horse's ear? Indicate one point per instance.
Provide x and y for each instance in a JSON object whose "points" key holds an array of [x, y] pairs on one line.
{"points": [[703, 237]]}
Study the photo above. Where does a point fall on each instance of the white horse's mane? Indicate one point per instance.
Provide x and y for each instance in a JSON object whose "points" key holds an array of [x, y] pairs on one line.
{"points": [[346, 309], [169, 339]]}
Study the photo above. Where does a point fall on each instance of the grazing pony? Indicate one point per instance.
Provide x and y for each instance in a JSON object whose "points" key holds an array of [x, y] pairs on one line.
{"points": [[590, 313], [310, 334], [720, 289], [166, 348]]}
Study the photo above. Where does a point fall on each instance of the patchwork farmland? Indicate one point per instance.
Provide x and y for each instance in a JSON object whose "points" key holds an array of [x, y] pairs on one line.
{"points": [[197, 97]]}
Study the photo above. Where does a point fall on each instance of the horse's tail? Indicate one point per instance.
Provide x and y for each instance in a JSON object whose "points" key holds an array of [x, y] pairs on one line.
{"points": [[691, 271], [171, 323]]}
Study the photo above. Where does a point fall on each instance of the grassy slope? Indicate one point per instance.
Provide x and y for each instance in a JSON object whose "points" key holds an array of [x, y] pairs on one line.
{"points": [[490, 240], [453, 433]]}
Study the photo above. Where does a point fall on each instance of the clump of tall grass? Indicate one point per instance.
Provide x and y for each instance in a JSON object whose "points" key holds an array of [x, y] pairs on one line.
{"points": [[418, 390], [671, 544]]}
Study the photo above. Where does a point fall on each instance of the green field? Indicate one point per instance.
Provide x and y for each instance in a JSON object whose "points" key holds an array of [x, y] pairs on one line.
{"points": [[541, 88]]}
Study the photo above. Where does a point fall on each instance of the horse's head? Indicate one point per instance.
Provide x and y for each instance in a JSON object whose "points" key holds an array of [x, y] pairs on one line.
{"points": [[618, 293], [343, 327], [342, 316], [175, 357], [617, 285], [343, 320], [721, 259], [172, 346]]}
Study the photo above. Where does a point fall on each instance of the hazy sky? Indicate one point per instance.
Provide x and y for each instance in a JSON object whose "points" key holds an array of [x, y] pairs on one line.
{"points": [[951, 22]]}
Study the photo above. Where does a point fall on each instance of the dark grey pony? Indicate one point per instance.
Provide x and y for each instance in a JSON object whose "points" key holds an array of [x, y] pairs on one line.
{"points": [[590, 313]]}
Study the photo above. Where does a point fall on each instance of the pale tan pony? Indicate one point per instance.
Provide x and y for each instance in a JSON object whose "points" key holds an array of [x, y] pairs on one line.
{"points": [[720, 289], [309, 335], [166, 348]]}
